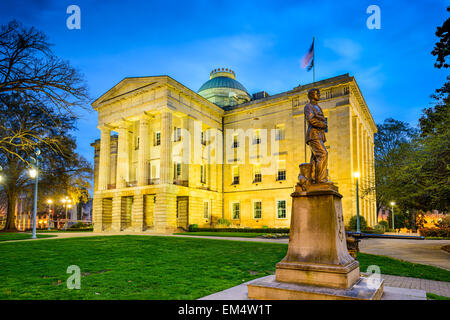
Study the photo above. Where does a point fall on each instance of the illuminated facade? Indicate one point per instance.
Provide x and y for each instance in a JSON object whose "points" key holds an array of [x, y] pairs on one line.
{"points": [[169, 157]]}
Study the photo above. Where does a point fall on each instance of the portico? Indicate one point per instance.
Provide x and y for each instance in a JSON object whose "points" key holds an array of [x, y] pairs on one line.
{"points": [[150, 184]]}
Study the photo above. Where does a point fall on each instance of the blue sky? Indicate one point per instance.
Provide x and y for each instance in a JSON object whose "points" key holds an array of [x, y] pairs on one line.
{"points": [[262, 41]]}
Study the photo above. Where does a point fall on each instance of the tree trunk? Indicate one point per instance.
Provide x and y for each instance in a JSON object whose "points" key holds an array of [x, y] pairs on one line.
{"points": [[11, 211]]}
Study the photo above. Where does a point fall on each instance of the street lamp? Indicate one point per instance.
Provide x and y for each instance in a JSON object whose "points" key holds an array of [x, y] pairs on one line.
{"points": [[67, 204], [67, 223], [357, 175], [34, 175], [49, 202], [392, 208]]}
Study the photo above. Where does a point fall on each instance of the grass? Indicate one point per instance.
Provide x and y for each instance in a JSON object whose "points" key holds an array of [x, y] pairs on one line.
{"points": [[145, 267], [433, 296], [223, 234], [8, 236]]}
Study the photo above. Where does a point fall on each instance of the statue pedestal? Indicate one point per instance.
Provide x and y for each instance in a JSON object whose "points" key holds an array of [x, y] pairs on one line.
{"points": [[317, 262]]}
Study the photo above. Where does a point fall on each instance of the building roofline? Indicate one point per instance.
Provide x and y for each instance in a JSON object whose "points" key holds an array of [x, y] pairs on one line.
{"points": [[95, 103]]}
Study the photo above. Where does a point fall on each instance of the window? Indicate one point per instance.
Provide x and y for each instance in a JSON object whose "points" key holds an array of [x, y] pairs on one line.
{"points": [[257, 212], [257, 137], [176, 134], [281, 209], [279, 132], [203, 138], [235, 142], [281, 174], [136, 144], [236, 211], [346, 90], [176, 170], [235, 175], [157, 139], [206, 209], [202, 173], [328, 94], [257, 173]]}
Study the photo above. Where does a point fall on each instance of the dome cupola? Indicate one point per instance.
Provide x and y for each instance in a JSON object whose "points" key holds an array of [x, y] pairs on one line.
{"points": [[223, 89]]}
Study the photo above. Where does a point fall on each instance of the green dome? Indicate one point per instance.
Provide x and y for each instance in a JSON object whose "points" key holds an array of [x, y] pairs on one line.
{"points": [[222, 82], [223, 90]]}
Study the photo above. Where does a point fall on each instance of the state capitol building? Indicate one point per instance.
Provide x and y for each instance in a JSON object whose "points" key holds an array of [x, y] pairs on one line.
{"points": [[169, 157]]}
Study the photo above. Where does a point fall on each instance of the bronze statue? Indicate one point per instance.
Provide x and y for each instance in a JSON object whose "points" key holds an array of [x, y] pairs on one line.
{"points": [[315, 137]]}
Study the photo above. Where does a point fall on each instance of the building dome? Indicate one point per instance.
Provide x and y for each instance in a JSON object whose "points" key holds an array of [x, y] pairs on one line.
{"points": [[223, 89]]}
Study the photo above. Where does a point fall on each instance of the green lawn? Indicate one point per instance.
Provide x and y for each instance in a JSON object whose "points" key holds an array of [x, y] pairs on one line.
{"points": [[7, 236], [145, 267], [223, 234], [432, 296]]}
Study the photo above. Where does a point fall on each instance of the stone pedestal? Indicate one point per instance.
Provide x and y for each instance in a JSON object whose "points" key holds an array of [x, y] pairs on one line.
{"points": [[317, 264]]}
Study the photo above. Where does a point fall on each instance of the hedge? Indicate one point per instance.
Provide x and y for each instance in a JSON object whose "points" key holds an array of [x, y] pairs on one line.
{"points": [[435, 232], [193, 228]]}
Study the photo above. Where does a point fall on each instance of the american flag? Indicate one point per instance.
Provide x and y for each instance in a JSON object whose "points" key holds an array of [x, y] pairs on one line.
{"points": [[308, 59]]}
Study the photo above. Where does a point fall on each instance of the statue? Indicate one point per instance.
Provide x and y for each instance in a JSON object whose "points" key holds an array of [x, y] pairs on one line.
{"points": [[315, 137], [317, 264]]}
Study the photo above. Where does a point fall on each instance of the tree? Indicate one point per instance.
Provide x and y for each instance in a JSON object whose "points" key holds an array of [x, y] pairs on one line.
{"points": [[30, 70], [393, 151], [435, 132], [44, 128], [442, 48]]}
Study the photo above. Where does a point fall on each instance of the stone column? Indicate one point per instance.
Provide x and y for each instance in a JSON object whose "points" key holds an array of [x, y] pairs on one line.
{"points": [[166, 148], [165, 210], [143, 152], [105, 158], [137, 214], [97, 214], [116, 224], [123, 156]]}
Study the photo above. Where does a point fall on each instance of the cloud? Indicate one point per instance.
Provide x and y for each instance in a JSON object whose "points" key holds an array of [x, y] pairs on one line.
{"points": [[345, 48]]}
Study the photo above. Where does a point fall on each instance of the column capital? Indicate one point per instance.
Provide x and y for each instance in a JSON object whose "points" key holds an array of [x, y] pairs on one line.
{"points": [[105, 127]]}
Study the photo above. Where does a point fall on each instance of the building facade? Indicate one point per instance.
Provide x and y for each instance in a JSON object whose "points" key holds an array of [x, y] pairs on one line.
{"points": [[169, 157]]}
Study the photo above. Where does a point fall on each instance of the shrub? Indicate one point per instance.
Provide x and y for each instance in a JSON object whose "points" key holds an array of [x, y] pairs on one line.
{"points": [[223, 222], [80, 225], [373, 230], [257, 230], [193, 227], [362, 223], [435, 232], [379, 228], [445, 223], [384, 223]]}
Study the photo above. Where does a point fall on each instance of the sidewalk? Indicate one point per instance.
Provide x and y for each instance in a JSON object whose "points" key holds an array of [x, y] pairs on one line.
{"points": [[441, 288]]}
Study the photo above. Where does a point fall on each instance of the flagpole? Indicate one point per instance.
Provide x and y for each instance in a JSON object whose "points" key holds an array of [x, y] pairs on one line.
{"points": [[314, 60]]}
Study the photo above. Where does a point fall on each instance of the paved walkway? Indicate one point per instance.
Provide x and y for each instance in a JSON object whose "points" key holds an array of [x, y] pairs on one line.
{"points": [[417, 251], [441, 288]]}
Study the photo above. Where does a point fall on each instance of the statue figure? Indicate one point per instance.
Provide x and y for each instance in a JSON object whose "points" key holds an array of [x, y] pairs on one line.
{"points": [[315, 137]]}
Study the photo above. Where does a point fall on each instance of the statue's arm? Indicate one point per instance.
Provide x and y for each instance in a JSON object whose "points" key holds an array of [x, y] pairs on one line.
{"points": [[315, 121]]}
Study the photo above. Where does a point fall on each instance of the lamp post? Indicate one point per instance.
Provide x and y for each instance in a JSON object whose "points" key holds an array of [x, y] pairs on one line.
{"points": [[356, 175], [34, 174], [392, 210], [49, 202], [67, 204], [67, 219]]}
